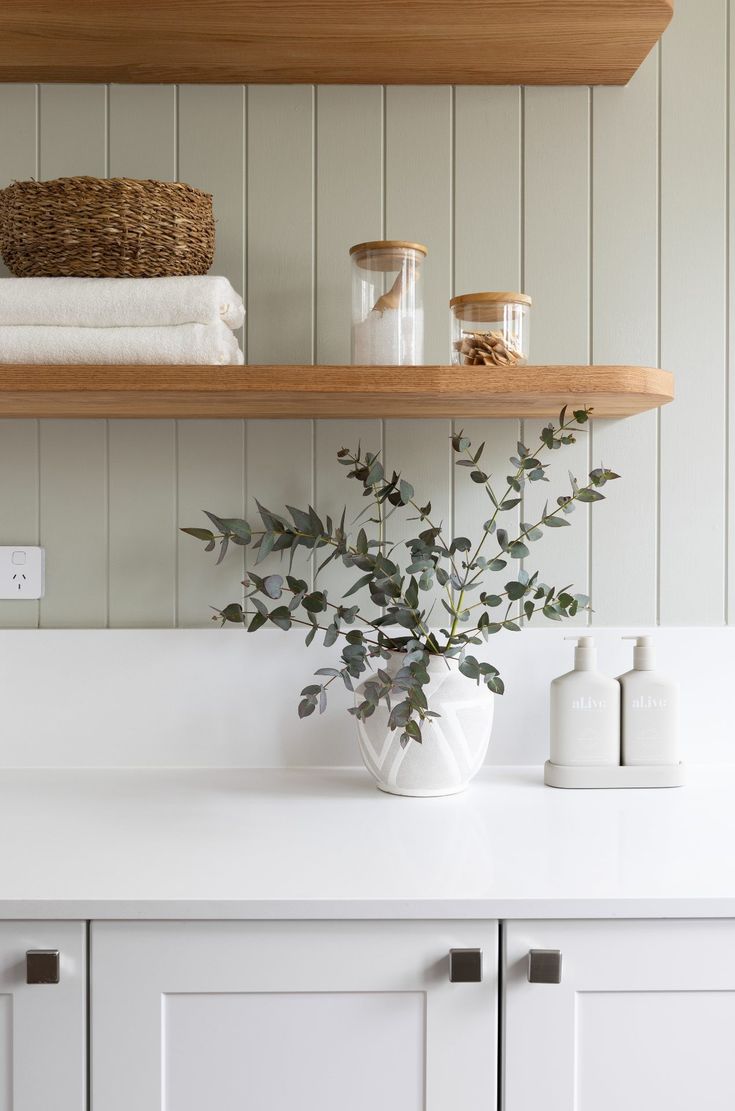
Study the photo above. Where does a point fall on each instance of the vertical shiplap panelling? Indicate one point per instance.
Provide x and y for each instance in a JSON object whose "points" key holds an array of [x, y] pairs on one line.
{"points": [[73, 453], [142, 453], [210, 454], [556, 245], [418, 205], [18, 439], [349, 209], [693, 320], [487, 256], [625, 330], [280, 262]]}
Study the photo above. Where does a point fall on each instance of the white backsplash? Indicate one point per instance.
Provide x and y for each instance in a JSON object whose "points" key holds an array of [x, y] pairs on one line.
{"points": [[196, 697]]}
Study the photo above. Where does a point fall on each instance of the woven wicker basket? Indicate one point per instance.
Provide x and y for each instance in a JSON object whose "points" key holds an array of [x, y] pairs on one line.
{"points": [[88, 227]]}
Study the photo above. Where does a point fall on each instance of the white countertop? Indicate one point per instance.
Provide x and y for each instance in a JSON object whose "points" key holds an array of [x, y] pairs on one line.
{"points": [[327, 844]]}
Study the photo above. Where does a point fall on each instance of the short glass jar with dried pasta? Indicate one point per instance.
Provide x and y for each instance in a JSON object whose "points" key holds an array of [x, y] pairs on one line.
{"points": [[490, 329]]}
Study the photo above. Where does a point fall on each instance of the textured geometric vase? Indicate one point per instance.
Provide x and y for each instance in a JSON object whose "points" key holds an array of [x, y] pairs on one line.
{"points": [[453, 747]]}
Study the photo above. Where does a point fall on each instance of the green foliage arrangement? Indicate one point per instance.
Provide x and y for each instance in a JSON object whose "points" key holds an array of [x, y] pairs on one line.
{"points": [[401, 577]]}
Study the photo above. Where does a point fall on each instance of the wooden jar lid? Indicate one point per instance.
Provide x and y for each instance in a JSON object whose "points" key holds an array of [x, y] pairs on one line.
{"points": [[389, 254], [491, 299]]}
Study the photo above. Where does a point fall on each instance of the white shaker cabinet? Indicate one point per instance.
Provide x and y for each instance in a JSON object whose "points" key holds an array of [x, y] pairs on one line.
{"points": [[43, 1031], [643, 1018], [274, 1016]]}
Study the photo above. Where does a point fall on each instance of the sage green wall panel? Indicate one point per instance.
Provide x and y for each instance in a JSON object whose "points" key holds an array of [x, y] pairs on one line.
{"points": [[211, 454], [349, 209], [18, 439], [280, 472], [142, 485], [210, 458], [349, 203], [487, 255], [281, 287], [610, 207], [556, 275], [420, 452], [74, 522], [211, 156], [73, 130], [624, 576], [19, 505], [693, 312], [18, 145], [335, 492], [418, 195], [418, 207], [142, 523], [280, 223], [74, 454], [142, 131]]}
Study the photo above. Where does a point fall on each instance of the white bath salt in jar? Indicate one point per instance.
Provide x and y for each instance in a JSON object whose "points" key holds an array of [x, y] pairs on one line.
{"points": [[490, 329], [387, 303]]}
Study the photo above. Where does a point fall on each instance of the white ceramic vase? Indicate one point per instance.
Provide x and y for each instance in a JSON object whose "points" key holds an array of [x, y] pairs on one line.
{"points": [[453, 746]]}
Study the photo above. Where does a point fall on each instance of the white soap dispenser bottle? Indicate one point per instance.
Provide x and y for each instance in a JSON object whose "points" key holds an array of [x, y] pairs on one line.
{"points": [[585, 712], [650, 710]]}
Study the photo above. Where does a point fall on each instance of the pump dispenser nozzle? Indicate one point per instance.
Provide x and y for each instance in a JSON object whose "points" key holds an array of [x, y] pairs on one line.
{"points": [[643, 658], [585, 655]]}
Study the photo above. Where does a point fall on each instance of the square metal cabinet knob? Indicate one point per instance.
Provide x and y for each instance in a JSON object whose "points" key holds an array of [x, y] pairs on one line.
{"points": [[465, 966], [544, 966], [42, 966]]}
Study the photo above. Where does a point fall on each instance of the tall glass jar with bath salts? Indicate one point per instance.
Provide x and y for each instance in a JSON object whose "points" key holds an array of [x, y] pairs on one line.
{"points": [[490, 329], [387, 303]]}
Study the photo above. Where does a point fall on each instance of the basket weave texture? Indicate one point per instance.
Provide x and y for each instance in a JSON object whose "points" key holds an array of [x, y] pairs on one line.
{"points": [[89, 227]]}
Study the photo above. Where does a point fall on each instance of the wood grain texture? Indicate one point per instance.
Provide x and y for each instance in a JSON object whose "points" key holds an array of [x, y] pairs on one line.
{"points": [[328, 391], [501, 42]]}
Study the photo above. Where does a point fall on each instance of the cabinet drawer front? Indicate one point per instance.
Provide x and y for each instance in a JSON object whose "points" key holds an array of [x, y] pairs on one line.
{"points": [[642, 1018], [281, 1015], [43, 1032]]}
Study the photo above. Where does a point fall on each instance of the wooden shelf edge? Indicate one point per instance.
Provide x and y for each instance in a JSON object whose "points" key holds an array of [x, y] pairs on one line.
{"points": [[499, 42], [329, 392]]}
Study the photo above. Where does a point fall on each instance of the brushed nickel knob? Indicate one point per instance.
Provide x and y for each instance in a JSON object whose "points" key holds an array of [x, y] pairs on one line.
{"points": [[544, 966], [465, 966], [42, 966]]}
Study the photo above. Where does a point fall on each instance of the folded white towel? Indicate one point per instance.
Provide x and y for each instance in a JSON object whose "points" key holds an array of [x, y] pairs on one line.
{"points": [[119, 302], [205, 344]]}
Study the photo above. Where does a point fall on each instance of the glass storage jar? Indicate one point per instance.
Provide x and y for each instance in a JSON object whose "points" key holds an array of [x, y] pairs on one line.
{"points": [[387, 303], [490, 329]]}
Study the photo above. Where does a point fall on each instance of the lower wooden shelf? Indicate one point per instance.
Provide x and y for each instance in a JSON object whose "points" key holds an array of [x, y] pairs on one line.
{"points": [[328, 391]]}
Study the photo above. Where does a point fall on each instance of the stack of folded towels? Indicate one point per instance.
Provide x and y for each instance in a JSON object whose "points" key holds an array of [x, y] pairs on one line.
{"points": [[103, 321]]}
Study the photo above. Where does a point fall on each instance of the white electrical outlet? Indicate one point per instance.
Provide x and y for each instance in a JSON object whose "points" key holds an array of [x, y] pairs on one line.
{"points": [[21, 572]]}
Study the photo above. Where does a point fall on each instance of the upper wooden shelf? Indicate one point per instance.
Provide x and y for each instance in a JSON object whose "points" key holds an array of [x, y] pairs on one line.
{"points": [[328, 391], [494, 42]]}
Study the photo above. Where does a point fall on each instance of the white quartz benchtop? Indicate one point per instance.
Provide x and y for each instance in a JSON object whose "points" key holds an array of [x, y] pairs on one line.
{"points": [[327, 844]]}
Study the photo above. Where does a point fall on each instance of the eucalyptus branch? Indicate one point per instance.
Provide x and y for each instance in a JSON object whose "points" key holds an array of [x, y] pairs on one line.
{"points": [[396, 575]]}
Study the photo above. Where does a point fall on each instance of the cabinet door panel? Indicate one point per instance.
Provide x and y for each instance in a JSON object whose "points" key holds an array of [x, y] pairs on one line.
{"points": [[42, 1026], [318, 1016], [642, 1019]]}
